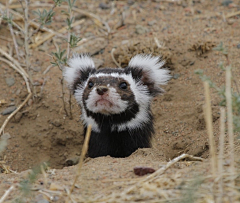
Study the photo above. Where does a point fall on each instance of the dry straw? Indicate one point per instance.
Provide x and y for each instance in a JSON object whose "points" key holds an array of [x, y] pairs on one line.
{"points": [[221, 153], [230, 120], [208, 117], [83, 154]]}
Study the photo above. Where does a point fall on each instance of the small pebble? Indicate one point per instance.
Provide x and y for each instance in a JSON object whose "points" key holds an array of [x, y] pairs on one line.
{"points": [[10, 81], [231, 21], [238, 46], [139, 29], [226, 2], [56, 123], [9, 110], [72, 161], [151, 23], [141, 171], [130, 2], [6, 136], [36, 69], [192, 63], [176, 76], [43, 201], [104, 6], [20, 42]]}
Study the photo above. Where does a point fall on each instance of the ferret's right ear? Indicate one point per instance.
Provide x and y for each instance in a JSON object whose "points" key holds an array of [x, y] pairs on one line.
{"points": [[148, 69], [80, 67]]}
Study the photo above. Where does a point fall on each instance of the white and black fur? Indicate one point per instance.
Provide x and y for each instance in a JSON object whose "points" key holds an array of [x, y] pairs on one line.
{"points": [[116, 102]]}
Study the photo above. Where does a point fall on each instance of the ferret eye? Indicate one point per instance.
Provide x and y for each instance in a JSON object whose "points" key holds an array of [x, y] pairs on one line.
{"points": [[123, 85], [90, 85]]}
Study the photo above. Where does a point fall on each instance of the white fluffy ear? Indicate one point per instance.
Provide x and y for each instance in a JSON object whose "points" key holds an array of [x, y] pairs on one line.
{"points": [[151, 73], [80, 66]]}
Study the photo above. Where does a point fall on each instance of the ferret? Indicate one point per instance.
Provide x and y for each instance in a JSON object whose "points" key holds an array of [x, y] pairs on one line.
{"points": [[116, 102]]}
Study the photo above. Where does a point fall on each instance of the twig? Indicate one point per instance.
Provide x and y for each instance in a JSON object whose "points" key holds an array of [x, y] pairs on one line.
{"points": [[159, 45], [44, 22], [16, 66], [230, 119], [84, 151], [46, 194], [157, 173], [49, 36], [114, 60], [63, 93], [208, 118], [69, 30], [6, 194], [6, 38], [94, 17], [12, 33], [233, 14], [221, 152], [25, 76], [26, 39], [69, 196], [47, 69], [13, 113], [18, 27], [32, 23]]}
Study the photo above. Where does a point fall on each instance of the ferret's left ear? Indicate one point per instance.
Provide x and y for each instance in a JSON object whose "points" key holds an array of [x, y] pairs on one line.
{"points": [[147, 68], [80, 67]]}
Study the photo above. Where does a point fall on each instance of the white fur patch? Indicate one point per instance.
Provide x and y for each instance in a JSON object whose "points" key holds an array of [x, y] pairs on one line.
{"points": [[140, 92], [152, 66], [79, 94], [143, 100], [76, 64], [89, 121], [111, 104], [142, 97]]}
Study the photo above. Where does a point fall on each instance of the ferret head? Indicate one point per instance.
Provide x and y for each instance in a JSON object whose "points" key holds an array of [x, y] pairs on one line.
{"points": [[112, 91]]}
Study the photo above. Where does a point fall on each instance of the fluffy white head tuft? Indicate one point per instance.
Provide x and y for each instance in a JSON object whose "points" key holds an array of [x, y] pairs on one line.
{"points": [[151, 65], [77, 64]]}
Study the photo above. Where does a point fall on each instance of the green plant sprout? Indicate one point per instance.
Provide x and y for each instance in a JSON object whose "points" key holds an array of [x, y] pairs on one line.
{"points": [[44, 17]]}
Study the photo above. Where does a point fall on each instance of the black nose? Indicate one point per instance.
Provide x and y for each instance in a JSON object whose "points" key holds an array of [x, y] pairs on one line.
{"points": [[101, 90]]}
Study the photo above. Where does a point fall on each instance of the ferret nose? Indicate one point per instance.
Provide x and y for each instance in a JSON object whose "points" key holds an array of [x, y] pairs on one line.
{"points": [[101, 90]]}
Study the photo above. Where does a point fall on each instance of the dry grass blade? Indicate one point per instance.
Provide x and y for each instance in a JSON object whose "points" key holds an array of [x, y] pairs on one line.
{"points": [[114, 60], [230, 119], [221, 153], [53, 34], [84, 151], [233, 14], [208, 117], [6, 194]]}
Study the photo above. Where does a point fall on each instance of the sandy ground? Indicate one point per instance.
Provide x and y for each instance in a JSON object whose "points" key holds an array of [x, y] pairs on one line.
{"points": [[41, 132]]}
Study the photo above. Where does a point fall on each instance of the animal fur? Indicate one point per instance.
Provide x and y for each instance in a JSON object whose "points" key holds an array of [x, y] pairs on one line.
{"points": [[116, 102]]}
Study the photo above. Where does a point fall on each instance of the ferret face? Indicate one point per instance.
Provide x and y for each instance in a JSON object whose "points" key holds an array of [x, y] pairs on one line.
{"points": [[122, 94], [107, 95]]}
